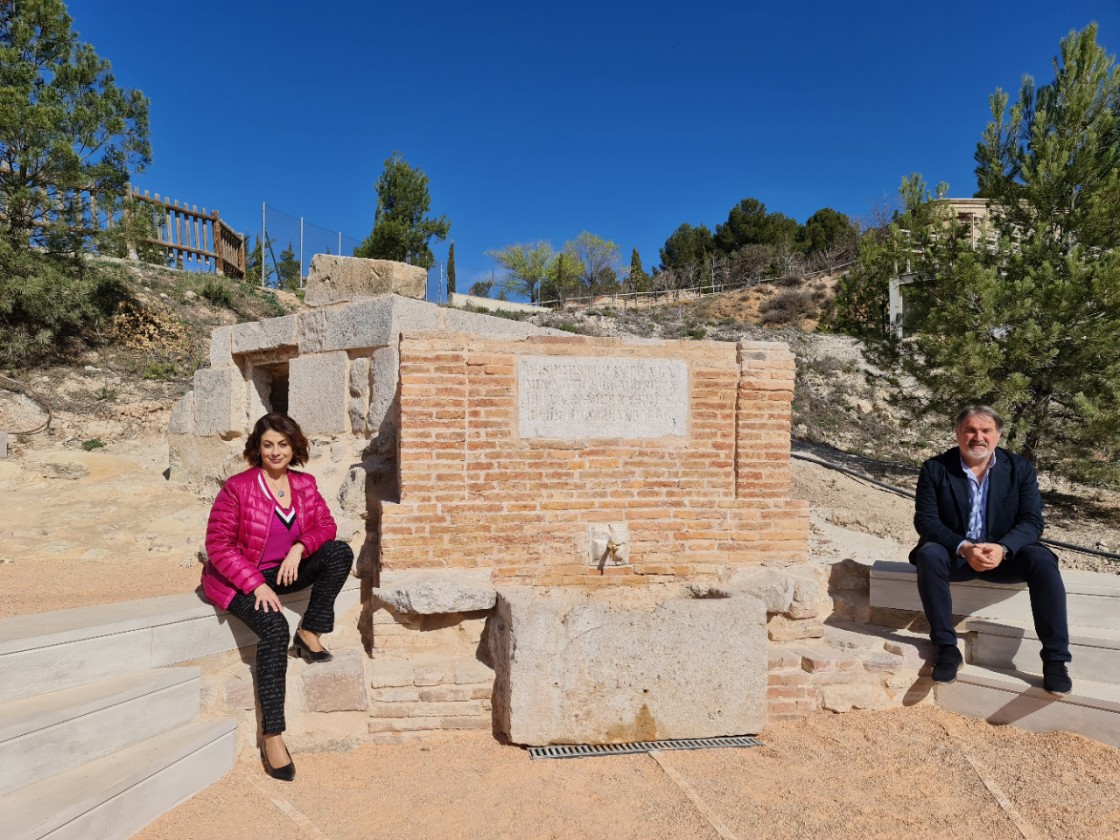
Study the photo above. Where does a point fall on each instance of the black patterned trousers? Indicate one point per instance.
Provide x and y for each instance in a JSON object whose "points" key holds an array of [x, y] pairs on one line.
{"points": [[325, 572]]}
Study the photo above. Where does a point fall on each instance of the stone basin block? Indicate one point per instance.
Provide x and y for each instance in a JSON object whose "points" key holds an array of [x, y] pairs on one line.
{"points": [[616, 666], [426, 592]]}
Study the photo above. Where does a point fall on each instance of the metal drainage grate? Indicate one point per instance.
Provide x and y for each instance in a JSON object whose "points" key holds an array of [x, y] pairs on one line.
{"points": [[588, 750]]}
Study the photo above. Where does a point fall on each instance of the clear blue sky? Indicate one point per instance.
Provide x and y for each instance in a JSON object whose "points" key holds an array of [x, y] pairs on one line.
{"points": [[540, 120]]}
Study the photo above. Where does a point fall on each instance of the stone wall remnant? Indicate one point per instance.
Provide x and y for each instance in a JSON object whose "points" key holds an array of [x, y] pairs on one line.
{"points": [[334, 279]]}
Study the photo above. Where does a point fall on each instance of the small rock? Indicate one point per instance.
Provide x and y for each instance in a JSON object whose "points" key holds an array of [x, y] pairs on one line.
{"points": [[69, 471]]}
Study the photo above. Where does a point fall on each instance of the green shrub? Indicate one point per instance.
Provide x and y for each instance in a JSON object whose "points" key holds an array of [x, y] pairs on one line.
{"points": [[105, 394], [92, 444], [218, 293], [161, 370], [47, 300]]}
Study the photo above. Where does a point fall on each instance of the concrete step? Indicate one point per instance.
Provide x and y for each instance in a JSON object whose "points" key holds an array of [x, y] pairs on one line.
{"points": [[1093, 599], [117, 795], [1014, 646], [50, 734], [1092, 709], [50, 651]]}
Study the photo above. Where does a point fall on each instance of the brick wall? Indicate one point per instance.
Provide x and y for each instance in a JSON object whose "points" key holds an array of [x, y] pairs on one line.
{"points": [[474, 493]]}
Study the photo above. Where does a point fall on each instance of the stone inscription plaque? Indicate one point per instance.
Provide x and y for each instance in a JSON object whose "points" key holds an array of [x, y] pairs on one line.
{"points": [[578, 397]]}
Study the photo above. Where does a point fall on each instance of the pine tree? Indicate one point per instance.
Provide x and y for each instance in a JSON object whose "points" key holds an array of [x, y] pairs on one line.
{"points": [[288, 270], [401, 228], [1028, 322], [66, 129], [638, 281]]}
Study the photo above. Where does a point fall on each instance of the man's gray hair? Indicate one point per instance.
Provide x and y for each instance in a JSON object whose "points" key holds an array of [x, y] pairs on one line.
{"points": [[972, 410]]}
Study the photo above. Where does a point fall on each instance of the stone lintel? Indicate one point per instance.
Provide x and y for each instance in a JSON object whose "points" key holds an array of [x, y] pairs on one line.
{"points": [[269, 334]]}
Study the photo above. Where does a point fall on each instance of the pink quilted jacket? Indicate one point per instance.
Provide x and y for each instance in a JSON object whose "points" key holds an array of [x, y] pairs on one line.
{"points": [[238, 529]]}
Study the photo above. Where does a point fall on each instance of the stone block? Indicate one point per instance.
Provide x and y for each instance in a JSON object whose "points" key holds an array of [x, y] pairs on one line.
{"points": [[259, 392], [474, 673], [382, 419], [481, 722], [915, 653], [221, 348], [615, 665], [426, 592], [239, 692], [849, 575], [364, 324], [407, 694], [782, 629], [447, 694], [433, 674], [883, 662], [219, 402], [844, 698], [335, 279], [771, 586], [181, 421], [317, 392], [3, 444], [336, 686], [269, 334], [359, 394]]}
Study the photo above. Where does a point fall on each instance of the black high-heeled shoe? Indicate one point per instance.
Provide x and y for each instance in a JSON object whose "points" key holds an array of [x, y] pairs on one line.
{"points": [[306, 653], [287, 773]]}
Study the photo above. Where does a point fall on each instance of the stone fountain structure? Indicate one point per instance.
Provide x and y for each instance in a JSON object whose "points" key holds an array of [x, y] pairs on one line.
{"points": [[562, 539]]}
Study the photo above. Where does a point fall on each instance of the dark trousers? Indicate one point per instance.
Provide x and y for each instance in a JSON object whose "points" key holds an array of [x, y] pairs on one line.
{"points": [[325, 572], [1034, 565]]}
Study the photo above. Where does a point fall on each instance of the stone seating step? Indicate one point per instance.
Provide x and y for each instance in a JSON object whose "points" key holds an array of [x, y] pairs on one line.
{"points": [[52, 733], [1000, 697], [118, 794], [1093, 598], [46, 652], [1014, 646]]}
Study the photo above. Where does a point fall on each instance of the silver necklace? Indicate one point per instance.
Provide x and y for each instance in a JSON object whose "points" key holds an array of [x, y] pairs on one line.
{"points": [[275, 486]]}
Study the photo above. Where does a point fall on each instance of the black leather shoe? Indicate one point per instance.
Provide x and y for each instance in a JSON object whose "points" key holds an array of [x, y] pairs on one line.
{"points": [[307, 654], [1055, 678], [949, 659], [287, 773]]}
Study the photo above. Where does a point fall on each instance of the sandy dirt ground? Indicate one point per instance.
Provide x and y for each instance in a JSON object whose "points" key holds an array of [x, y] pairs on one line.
{"points": [[910, 773], [80, 527]]}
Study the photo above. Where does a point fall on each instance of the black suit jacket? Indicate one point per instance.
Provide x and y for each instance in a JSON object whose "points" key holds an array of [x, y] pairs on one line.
{"points": [[1014, 514]]}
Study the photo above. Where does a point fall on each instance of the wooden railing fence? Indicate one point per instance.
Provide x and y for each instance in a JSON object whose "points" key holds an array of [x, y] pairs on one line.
{"points": [[191, 235], [185, 234]]}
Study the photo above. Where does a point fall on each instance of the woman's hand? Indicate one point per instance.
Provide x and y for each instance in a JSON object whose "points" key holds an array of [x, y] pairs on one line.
{"points": [[289, 569], [267, 600]]}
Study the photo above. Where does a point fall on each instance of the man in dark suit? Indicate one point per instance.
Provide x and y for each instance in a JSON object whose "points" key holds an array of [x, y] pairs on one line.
{"points": [[979, 516]]}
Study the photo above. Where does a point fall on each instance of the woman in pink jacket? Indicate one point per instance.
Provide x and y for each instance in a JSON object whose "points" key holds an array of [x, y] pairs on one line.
{"points": [[270, 533]]}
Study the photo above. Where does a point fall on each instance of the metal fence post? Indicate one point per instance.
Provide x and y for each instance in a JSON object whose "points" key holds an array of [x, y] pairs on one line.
{"points": [[264, 239]]}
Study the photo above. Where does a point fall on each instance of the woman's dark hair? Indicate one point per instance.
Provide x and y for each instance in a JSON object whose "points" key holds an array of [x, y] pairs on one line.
{"points": [[286, 426]]}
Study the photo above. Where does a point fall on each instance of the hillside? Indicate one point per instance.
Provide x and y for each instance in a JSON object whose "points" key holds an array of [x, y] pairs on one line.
{"points": [[90, 495]]}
